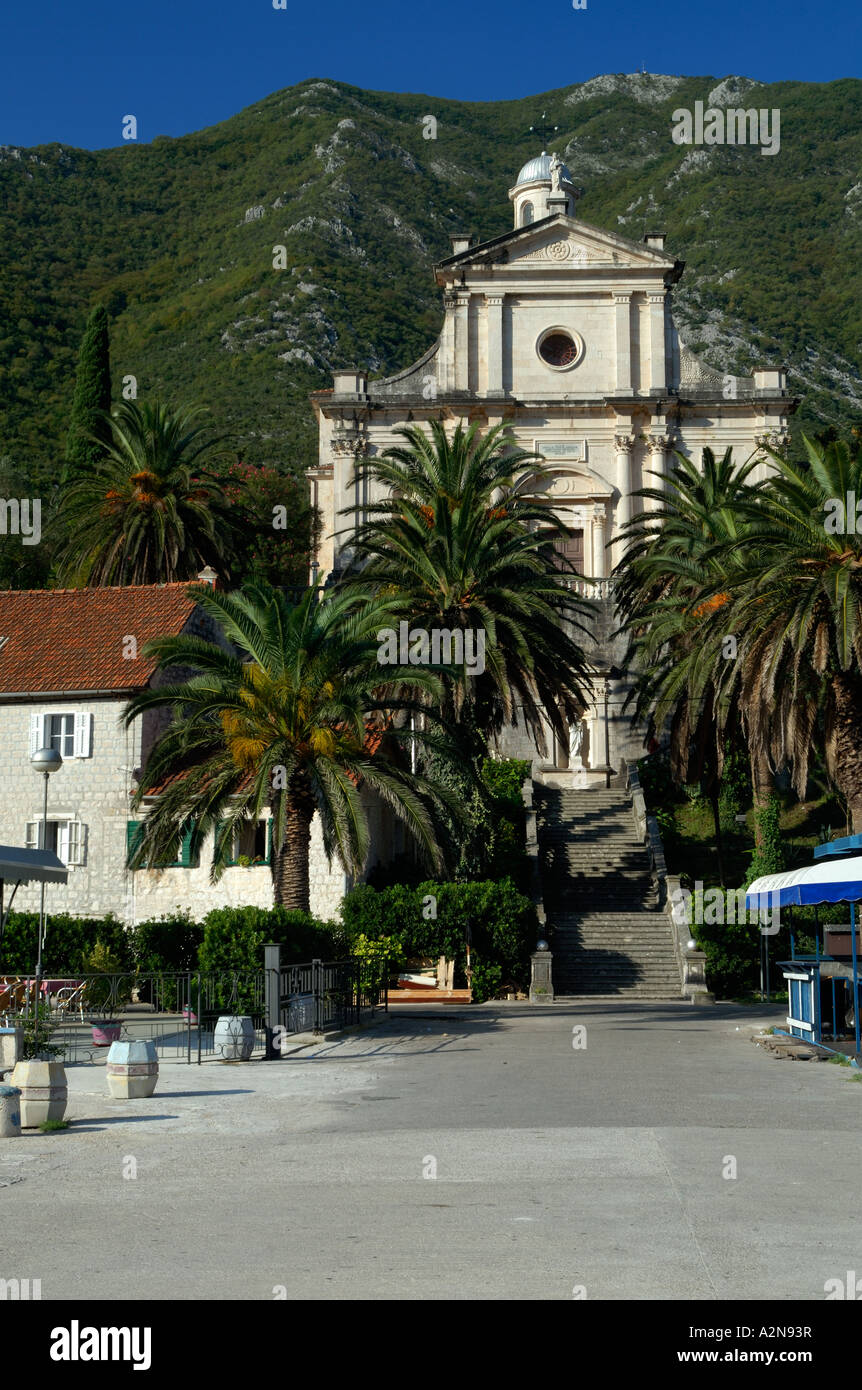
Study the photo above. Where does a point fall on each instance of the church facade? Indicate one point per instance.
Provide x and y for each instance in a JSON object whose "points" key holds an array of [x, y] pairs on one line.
{"points": [[565, 333]]}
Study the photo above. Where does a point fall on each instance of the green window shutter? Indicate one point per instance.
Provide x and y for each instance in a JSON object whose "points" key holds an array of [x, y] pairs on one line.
{"points": [[190, 850], [269, 841], [134, 835]]}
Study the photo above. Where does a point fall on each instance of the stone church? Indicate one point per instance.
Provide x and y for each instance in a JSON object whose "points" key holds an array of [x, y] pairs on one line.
{"points": [[565, 332]]}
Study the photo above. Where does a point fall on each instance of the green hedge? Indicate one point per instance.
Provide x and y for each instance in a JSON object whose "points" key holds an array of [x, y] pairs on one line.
{"points": [[426, 921], [169, 943], [502, 922], [234, 937], [68, 943]]}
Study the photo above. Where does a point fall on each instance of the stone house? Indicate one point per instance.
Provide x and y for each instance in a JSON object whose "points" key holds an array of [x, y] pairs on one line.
{"points": [[69, 661], [564, 332]]}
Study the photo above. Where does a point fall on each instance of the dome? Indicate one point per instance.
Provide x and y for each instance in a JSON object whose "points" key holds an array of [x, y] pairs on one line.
{"points": [[540, 168]]}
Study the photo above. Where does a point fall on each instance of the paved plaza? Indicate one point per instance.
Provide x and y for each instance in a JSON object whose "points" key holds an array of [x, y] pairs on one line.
{"points": [[558, 1168]]}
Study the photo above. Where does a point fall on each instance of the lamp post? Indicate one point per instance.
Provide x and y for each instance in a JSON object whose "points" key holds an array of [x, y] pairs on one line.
{"points": [[46, 761]]}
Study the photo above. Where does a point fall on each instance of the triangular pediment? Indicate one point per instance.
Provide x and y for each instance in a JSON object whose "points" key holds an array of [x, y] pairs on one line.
{"points": [[563, 240]]}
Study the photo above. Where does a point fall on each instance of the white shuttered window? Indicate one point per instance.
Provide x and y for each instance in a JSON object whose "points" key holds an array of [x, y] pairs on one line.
{"points": [[70, 734]]}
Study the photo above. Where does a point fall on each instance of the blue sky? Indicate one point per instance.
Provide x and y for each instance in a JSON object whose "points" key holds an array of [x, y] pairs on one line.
{"points": [[71, 69]]}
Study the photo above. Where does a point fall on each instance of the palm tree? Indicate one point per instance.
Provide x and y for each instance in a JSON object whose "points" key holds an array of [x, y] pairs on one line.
{"points": [[146, 512], [457, 542], [278, 715], [672, 591], [795, 605]]}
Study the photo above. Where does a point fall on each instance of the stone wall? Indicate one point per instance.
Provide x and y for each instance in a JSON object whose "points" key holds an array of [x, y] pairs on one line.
{"points": [[97, 790]]}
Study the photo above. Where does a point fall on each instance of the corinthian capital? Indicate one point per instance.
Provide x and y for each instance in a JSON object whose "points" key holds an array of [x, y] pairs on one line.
{"points": [[773, 439], [659, 443]]}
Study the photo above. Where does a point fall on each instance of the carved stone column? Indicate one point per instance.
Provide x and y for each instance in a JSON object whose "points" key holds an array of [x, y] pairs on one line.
{"points": [[659, 446], [494, 322], [623, 342], [657, 342], [624, 445], [462, 342], [599, 557]]}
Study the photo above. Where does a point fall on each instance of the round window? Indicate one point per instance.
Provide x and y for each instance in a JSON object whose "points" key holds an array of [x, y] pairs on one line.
{"points": [[559, 348]]}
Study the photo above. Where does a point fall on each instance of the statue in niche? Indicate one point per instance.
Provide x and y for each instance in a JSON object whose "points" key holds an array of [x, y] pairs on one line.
{"points": [[576, 743]]}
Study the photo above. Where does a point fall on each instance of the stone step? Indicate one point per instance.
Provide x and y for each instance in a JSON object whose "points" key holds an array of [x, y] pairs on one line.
{"points": [[585, 971], [597, 846], [646, 996], [589, 965], [625, 859], [574, 940], [606, 982], [589, 970], [610, 919]]}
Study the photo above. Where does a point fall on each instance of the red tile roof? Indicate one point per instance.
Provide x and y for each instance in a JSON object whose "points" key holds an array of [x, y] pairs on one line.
{"points": [[66, 640]]}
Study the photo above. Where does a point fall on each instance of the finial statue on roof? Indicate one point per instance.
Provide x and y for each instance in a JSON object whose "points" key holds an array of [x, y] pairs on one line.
{"points": [[556, 173]]}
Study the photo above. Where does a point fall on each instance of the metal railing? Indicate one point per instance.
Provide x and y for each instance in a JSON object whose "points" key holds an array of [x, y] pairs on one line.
{"points": [[320, 996], [177, 1011]]}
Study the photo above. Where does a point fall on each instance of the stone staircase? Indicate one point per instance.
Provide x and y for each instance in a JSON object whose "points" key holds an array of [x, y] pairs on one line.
{"points": [[606, 930]]}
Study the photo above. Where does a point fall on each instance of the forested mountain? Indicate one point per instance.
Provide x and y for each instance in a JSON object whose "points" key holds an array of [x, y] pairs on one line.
{"points": [[176, 239]]}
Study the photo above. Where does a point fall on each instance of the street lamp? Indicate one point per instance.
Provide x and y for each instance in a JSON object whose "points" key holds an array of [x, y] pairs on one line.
{"points": [[46, 761]]}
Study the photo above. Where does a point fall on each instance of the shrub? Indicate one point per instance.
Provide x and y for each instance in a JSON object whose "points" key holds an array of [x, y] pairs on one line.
{"points": [[68, 943], [486, 982], [657, 782], [432, 921], [168, 943], [234, 937], [390, 912], [374, 957], [735, 791], [38, 1028], [105, 996]]}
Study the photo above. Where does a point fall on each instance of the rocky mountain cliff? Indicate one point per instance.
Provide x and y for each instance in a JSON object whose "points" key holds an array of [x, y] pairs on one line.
{"points": [[177, 238]]}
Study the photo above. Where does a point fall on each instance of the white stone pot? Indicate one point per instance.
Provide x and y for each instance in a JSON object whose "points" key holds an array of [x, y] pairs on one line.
{"points": [[234, 1038]]}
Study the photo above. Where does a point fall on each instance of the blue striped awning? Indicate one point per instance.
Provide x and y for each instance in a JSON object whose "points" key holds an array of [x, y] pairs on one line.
{"points": [[833, 881]]}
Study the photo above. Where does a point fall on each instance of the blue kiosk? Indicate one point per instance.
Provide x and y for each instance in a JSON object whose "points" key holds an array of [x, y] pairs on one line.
{"points": [[823, 989]]}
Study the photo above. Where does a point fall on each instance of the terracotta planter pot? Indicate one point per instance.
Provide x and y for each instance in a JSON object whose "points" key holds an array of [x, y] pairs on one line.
{"points": [[105, 1033], [43, 1092]]}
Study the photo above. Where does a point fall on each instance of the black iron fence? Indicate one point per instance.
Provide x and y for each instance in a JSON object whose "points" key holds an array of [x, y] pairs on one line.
{"points": [[179, 1011], [318, 995]]}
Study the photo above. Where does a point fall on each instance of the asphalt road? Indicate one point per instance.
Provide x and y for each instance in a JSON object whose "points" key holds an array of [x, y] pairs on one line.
{"points": [[602, 1170]]}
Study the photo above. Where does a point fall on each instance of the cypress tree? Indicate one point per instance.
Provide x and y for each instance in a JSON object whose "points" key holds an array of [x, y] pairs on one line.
{"points": [[92, 394]]}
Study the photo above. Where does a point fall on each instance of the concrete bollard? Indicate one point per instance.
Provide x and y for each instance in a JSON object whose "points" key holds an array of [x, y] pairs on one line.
{"points": [[43, 1091], [132, 1069], [10, 1112]]}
